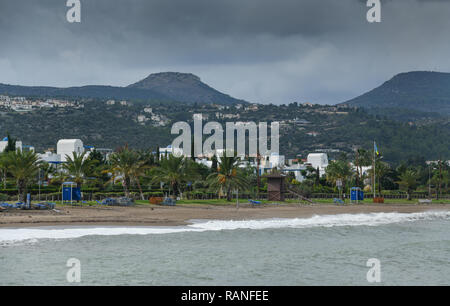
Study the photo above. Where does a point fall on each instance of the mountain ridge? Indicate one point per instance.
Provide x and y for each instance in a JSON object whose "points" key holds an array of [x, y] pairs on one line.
{"points": [[164, 86], [425, 91], [183, 87]]}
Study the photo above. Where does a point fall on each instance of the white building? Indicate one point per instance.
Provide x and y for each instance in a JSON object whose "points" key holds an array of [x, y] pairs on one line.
{"points": [[204, 161], [277, 160], [297, 170], [4, 144], [273, 161], [22, 107], [141, 118], [163, 152], [68, 146], [50, 157], [318, 160]]}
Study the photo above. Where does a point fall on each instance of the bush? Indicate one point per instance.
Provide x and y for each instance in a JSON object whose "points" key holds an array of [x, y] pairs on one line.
{"points": [[154, 194], [4, 197]]}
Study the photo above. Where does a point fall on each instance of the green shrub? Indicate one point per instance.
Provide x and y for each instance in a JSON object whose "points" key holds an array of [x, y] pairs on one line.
{"points": [[4, 197]]}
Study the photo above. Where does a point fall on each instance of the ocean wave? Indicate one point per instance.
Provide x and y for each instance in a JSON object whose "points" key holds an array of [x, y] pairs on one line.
{"points": [[21, 235]]}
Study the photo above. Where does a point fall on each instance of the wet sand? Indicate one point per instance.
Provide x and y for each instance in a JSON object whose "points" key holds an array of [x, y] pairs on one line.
{"points": [[150, 215]]}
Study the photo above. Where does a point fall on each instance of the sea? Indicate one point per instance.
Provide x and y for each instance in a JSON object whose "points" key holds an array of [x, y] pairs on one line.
{"points": [[349, 249]]}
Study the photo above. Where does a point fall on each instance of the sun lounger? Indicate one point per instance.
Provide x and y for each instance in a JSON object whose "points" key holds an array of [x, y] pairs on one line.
{"points": [[13, 206], [253, 202], [338, 201], [6, 205], [117, 202], [169, 202], [40, 206], [103, 203]]}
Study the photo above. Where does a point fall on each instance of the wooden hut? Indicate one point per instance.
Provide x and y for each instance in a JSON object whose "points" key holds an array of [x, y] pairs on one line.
{"points": [[276, 187]]}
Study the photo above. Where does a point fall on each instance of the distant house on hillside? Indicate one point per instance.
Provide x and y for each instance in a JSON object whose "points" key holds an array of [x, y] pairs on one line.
{"points": [[313, 134]]}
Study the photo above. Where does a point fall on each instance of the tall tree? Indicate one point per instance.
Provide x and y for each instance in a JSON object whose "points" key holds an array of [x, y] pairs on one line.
{"points": [[362, 159], [3, 168], [125, 164], [408, 182], [24, 167], [78, 166], [381, 170], [228, 176], [145, 160], [11, 145], [214, 163], [339, 170], [174, 171]]}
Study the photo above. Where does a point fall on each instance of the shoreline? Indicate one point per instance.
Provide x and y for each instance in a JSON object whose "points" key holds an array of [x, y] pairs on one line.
{"points": [[182, 215]]}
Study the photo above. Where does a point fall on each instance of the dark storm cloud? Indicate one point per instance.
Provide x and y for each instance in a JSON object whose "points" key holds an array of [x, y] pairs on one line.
{"points": [[260, 50]]}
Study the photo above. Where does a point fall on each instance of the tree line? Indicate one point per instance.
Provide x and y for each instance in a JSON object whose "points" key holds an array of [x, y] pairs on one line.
{"points": [[145, 170]]}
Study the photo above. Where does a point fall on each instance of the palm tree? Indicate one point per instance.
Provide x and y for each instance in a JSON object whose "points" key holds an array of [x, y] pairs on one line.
{"points": [[47, 170], [408, 182], [3, 168], [381, 170], [440, 179], [145, 161], [126, 165], [24, 167], [339, 170], [78, 167], [362, 159], [174, 171], [228, 176], [445, 178]]}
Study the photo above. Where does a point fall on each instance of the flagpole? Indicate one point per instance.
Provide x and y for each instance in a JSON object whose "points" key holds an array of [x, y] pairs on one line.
{"points": [[374, 175]]}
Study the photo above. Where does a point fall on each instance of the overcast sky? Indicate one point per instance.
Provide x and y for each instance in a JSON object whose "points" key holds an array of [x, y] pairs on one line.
{"points": [[265, 51]]}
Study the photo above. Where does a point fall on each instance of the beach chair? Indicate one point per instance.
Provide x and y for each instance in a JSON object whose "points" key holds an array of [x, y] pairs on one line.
{"points": [[103, 203], [6, 205], [169, 202], [110, 202], [253, 202], [40, 206], [20, 205], [338, 201], [124, 201]]}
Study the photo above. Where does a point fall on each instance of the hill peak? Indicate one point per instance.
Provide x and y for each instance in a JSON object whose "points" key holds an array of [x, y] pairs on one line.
{"points": [[184, 87], [426, 91], [166, 77]]}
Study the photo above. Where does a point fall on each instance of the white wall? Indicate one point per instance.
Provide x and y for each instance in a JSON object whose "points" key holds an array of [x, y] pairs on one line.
{"points": [[68, 146], [318, 160], [4, 144]]}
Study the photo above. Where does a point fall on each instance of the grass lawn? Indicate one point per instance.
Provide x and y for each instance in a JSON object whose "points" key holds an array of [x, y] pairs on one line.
{"points": [[316, 201], [224, 202]]}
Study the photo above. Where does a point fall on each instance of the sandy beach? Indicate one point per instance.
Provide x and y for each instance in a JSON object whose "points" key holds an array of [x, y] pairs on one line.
{"points": [[149, 215]]}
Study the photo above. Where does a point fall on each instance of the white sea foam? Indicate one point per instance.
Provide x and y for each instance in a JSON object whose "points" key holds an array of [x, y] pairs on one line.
{"points": [[13, 236]]}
